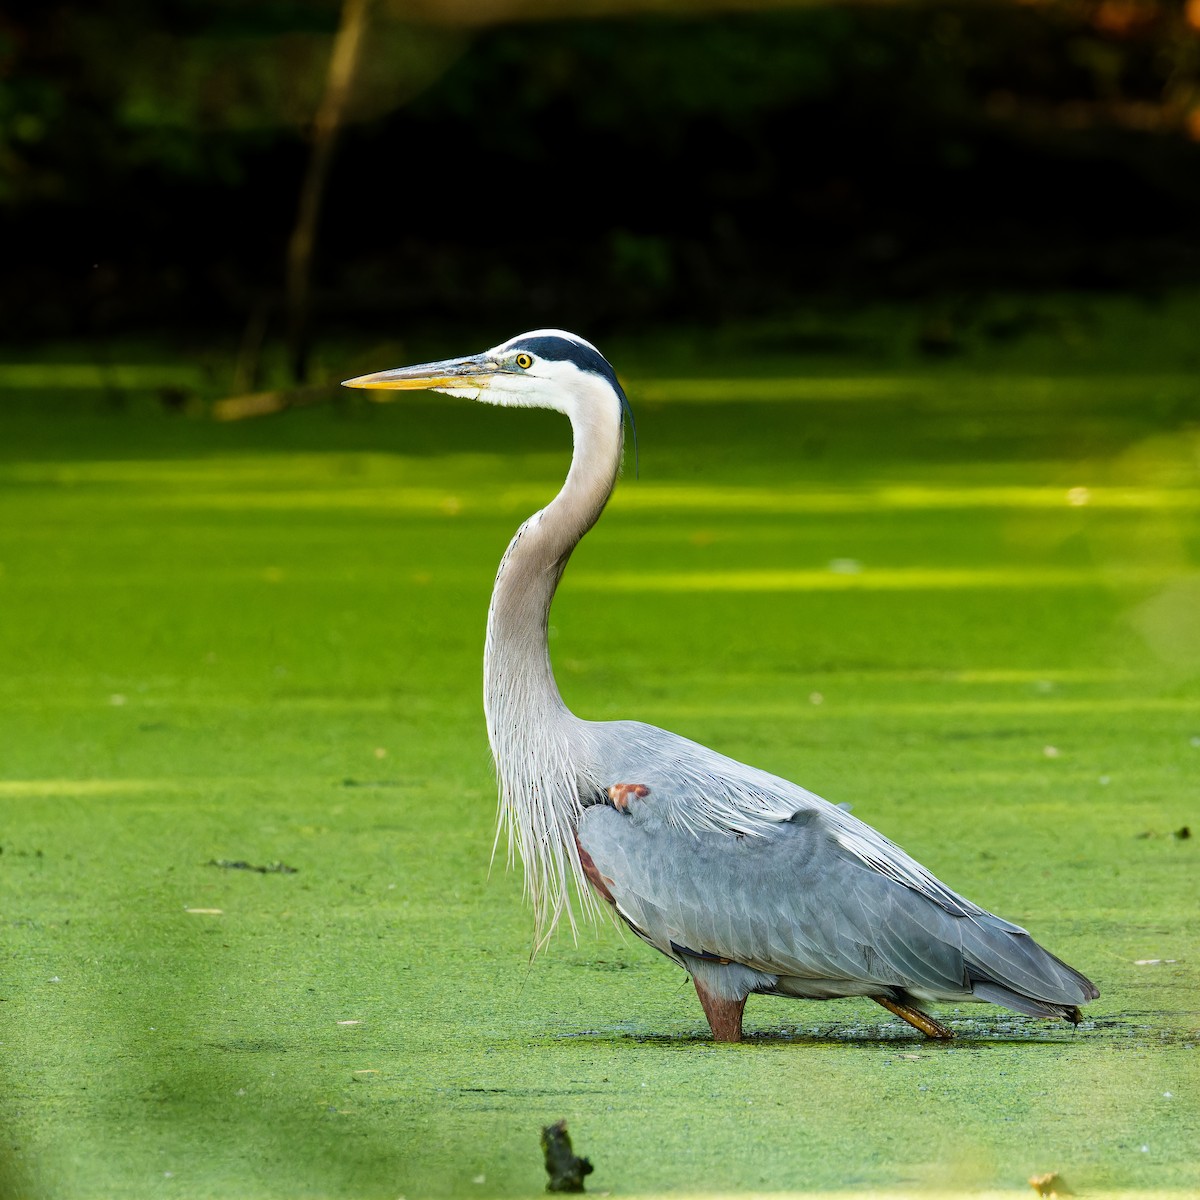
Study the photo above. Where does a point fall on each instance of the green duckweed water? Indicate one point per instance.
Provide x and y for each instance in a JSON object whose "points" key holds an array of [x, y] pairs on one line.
{"points": [[963, 600]]}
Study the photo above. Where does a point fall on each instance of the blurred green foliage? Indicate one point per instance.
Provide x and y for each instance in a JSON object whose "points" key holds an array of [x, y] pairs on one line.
{"points": [[637, 167]]}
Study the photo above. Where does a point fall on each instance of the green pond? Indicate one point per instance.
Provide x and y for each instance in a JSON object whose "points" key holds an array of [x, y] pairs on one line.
{"points": [[961, 597]]}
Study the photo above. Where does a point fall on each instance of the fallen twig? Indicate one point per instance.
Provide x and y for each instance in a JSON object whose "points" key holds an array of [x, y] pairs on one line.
{"points": [[565, 1168], [275, 868]]}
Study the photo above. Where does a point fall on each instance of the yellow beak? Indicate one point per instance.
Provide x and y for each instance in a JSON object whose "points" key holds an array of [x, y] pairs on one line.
{"points": [[476, 370]]}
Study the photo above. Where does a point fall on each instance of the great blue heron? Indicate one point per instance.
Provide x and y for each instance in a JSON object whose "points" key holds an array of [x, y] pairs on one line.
{"points": [[747, 881]]}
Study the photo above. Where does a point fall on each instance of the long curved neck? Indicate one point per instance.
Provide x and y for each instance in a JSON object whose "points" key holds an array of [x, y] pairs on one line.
{"points": [[520, 691], [534, 736]]}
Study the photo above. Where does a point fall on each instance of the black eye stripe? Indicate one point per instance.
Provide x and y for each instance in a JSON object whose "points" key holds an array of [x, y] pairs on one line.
{"points": [[560, 349]]}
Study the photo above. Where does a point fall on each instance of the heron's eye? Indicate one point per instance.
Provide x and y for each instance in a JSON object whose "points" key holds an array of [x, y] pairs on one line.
{"points": [[524, 361]]}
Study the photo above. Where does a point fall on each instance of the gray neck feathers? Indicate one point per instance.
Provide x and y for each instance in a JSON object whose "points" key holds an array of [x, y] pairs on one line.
{"points": [[535, 738]]}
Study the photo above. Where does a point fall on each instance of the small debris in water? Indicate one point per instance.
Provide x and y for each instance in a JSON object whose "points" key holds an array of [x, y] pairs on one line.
{"points": [[275, 868], [565, 1168], [1181, 834], [1050, 1185]]}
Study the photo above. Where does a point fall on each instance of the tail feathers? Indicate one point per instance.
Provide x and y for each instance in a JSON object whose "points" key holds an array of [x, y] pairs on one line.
{"points": [[1007, 998], [1011, 969]]}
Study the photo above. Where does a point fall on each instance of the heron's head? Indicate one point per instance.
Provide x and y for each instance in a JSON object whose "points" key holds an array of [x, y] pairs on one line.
{"points": [[546, 368]]}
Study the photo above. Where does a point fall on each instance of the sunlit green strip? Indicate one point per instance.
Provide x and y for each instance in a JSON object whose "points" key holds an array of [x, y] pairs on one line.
{"points": [[910, 497], [271, 481], [270, 470], [79, 787], [637, 499], [31, 376], [867, 579], [800, 388], [853, 709], [879, 579]]}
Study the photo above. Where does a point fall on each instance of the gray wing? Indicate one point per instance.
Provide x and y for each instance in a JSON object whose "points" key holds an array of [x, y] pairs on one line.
{"points": [[814, 895], [696, 789], [793, 904]]}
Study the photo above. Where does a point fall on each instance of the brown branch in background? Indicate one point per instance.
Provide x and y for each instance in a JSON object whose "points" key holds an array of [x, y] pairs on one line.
{"points": [[266, 404], [339, 83]]}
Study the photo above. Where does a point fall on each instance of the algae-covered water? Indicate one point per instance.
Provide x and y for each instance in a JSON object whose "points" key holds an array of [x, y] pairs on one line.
{"points": [[963, 598]]}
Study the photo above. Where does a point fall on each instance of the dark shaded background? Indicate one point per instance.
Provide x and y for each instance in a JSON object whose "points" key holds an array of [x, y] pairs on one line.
{"points": [[626, 169]]}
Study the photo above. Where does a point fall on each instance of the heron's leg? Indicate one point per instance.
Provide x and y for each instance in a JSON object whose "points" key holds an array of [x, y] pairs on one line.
{"points": [[724, 1016], [915, 1017]]}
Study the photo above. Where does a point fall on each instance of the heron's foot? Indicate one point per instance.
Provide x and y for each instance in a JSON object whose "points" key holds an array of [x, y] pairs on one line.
{"points": [[724, 1016], [916, 1018], [621, 793]]}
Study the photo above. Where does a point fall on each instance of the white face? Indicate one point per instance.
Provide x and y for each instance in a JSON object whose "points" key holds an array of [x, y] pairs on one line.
{"points": [[531, 370], [526, 378]]}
